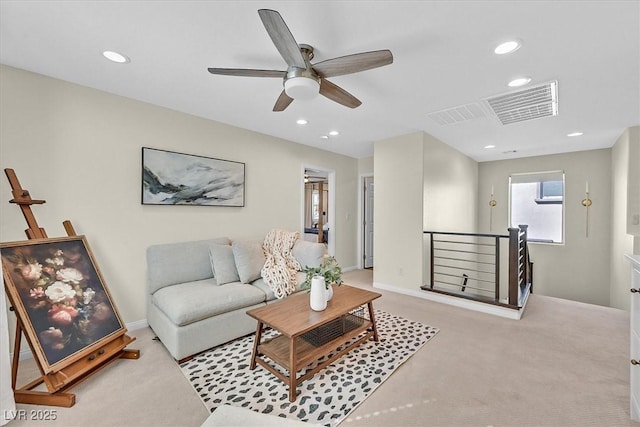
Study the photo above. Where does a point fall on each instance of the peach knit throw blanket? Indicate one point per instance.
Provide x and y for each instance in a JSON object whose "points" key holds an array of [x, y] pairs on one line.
{"points": [[280, 267]]}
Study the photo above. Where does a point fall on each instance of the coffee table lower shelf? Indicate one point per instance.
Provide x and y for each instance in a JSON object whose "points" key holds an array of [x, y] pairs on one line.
{"points": [[279, 348]]}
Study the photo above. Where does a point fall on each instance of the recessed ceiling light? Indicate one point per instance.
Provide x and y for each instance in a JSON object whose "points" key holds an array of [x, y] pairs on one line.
{"points": [[507, 47], [302, 122], [324, 137], [115, 56], [489, 146], [334, 133], [520, 81], [574, 134]]}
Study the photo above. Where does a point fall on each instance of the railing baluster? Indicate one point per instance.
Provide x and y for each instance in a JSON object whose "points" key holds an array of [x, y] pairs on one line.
{"points": [[525, 264], [432, 263], [497, 268]]}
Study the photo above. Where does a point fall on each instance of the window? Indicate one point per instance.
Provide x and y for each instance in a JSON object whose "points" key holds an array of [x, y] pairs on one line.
{"points": [[315, 213], [537, 200], [549, 192]]}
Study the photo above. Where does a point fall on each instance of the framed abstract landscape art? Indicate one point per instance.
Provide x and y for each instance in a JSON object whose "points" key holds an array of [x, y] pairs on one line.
{"points": [[170, 178]]}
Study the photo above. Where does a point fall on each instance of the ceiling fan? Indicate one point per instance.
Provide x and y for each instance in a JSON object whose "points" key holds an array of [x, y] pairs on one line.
{"points": [[303, 80], [314, 179]]}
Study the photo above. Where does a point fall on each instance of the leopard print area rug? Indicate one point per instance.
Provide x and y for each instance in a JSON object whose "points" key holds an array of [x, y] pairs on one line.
{"points": [[222, 376]]}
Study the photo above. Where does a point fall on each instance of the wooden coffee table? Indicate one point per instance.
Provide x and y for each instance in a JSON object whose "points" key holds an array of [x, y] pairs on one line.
{"points": [[307, 335]]}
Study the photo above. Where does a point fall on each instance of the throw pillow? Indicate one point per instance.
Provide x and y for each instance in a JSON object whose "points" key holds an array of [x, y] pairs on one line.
{"points": [[309, 254], [223, 264], [249, 258]]}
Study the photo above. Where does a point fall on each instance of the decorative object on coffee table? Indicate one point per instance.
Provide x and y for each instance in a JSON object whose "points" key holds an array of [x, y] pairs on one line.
{"points": [[329, 287], [329, 269], [318, 294]]}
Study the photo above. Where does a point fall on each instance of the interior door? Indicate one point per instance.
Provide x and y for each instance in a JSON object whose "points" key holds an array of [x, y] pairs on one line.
{"points": [[368, 222], [635, 343]]}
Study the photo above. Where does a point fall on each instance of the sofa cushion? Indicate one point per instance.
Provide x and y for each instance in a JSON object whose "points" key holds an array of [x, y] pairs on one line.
{"points": [[171, 263], [270, 296], [223, 264], [309, 254], [190, 302], [249, 258]]}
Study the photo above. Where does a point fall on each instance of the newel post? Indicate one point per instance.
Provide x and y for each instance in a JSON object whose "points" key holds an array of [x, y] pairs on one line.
{"points": [[525, 252], [514, 247]]}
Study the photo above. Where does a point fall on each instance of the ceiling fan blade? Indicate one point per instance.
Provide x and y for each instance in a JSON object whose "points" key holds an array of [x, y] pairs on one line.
{"points": [[283, 102], [337, 94], [282, 37], [353, 63], [247, 72]]}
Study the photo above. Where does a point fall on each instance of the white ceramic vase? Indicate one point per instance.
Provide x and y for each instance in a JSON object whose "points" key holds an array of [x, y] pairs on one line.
{"points": [[329, 292], [318, 296]]}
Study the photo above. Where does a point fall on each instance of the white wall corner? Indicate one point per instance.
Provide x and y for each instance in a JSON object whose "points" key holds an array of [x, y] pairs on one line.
{"points": [[361, 213]]}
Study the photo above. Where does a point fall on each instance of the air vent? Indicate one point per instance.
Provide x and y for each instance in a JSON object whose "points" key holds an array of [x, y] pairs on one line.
{"points": [[457, 114], [532, 103]]}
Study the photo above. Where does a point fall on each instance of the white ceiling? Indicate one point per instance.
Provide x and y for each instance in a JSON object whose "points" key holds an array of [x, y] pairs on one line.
{"points": [[443, 57]]}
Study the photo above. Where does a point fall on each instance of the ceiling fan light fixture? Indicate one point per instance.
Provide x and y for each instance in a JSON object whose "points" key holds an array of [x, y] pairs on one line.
{"points": [[301, 88]]}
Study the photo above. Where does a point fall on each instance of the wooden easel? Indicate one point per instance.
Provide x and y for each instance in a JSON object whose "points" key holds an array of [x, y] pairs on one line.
{"points": [[78, 369]]}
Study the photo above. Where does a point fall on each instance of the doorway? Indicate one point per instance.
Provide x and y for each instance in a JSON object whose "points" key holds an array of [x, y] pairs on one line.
{"points": [[367, 221], [318, 206]]}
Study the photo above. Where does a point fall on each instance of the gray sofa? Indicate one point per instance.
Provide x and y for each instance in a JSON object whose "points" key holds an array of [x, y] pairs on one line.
{"points": [[198, 292]]}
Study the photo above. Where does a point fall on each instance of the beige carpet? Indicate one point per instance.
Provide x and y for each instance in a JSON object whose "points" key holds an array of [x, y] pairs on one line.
{"points": [[563, 364]]}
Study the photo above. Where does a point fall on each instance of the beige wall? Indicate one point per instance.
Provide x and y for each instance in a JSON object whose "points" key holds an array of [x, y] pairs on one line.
{"points": [[578, 269], [80, 150], [398, 211], [621, 242], [365, 166], [450, 188], [421, 184], [633, 182]]}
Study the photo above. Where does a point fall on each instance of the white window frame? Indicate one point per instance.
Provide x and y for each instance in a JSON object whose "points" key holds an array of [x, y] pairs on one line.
{"points": [[531, 177]]}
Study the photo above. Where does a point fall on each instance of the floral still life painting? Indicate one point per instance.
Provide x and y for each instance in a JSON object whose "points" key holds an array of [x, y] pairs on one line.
{"points": [[59, 295]]}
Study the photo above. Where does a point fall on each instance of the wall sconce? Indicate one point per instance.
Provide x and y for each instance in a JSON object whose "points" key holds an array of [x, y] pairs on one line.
{"points": [[586, 202], [492, 204]]}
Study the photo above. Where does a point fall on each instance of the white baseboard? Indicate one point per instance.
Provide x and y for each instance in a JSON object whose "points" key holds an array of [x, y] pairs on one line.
{"points": [[495, 310], [26, 354], [350, 268], [138, 324]]}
